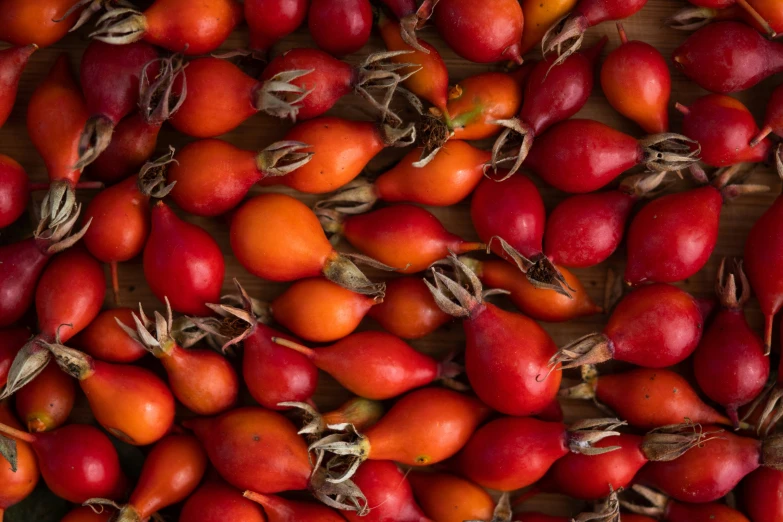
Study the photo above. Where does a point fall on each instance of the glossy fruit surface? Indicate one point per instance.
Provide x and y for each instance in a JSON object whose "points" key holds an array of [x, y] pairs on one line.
{"points": [[14, 190], [388, 493], [11, 341], [46, 402], [25, 23], [448, 498], [476, 102], [319, 310], [12, 63], [636, 80], [713, 63], [408, 310], [255, 433], [271, 20], [217, 502], [340, 27], [482, 34], [724, 127], [176, 25], [16, 485], [764, 495], [105, 340], [182, 263]]}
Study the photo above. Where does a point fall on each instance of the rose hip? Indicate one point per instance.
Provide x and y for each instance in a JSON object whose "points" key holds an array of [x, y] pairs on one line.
{"points": [[506, 354], [727, 57], [340, 27], [18, 479], [46, 402], [176, 25], [646, 398], [218, 502], [408, 309], [105, 340], [271, 20], [663, 508], [655, 326], [12, 63], [763, 495], [14, 190]]}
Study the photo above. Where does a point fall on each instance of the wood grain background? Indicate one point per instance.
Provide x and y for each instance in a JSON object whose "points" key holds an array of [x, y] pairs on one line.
{"points": [[261, 130]]}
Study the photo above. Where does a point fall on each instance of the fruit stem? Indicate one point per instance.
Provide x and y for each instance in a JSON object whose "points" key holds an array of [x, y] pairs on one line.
{"points": [[17, 434], [766, 131], [621, 30], [465, 247], [258, 498], [682, 108], [307, 352], [115, 282], [757, 17]]}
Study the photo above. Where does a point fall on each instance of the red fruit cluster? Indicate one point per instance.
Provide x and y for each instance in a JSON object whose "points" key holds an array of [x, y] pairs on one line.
{"points": [[413, 435]]}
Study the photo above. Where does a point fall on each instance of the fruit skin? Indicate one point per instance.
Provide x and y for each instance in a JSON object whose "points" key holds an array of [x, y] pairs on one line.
{"points": [[656, 326], [182, 263], [56, 134], [11, 341], [319, 310], [542, 304], [78, 462], [580, 156], [14, 190], [479, 100], [23, 264], [172, 470], [24, 23], [405, 237], [341, 150], [724, 127], [272, 20], [388, 494], [375, 365], [121, 222], [110, 77], [105, 340], [86, 514], [446, 180], [506, 354], [595, 477], [191, 28], [269, 255], [672, 237], [217, 502], [493, 459], [763, 261], [481, 33], [512, 210], [275, 374], [12, 63], [728, 57], [340, 27], [16, 485], [408, 310], [204, 113], [46, 402], [70, 292], [425, 427], [764, 495], [773, 120], [235, 438], [133, 143], [278, 252], [647, 398], [431, 81], [635, 79], [585, 229], [447, 498], [730, 365], [707, 472], [131, 403], [279, 509], [539, 17], [682, 512]]}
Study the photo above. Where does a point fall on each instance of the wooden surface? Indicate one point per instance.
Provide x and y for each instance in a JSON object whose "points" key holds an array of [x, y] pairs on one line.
{"points": [[261, 130]]}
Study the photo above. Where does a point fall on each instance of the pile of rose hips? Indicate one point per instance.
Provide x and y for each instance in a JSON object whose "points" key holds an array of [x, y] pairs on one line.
{"points": [[419, 442]]}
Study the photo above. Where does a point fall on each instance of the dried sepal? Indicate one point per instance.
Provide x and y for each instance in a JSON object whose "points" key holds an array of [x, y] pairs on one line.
{"points": [[668, 443], [348, 447], [28, 363], [58, 206], [283, 157], [344, 496], [120, 26], [730, 294], [9, 452], [584, 434], [314, 423], [155, 335], [606, 511], [157, 99], [356, 197], [513, 145], [540, 271], [95, 138], [281, 98], [233, 324], [669, 152], [690, 18], [503, 512], [152, 176], [61, 236], [658, 502], [77, 364], [445, 291], [564, 38], [591, 349]]}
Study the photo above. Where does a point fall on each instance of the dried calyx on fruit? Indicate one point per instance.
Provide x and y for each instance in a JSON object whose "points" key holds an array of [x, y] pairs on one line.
{"points": [[361, 413]]}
